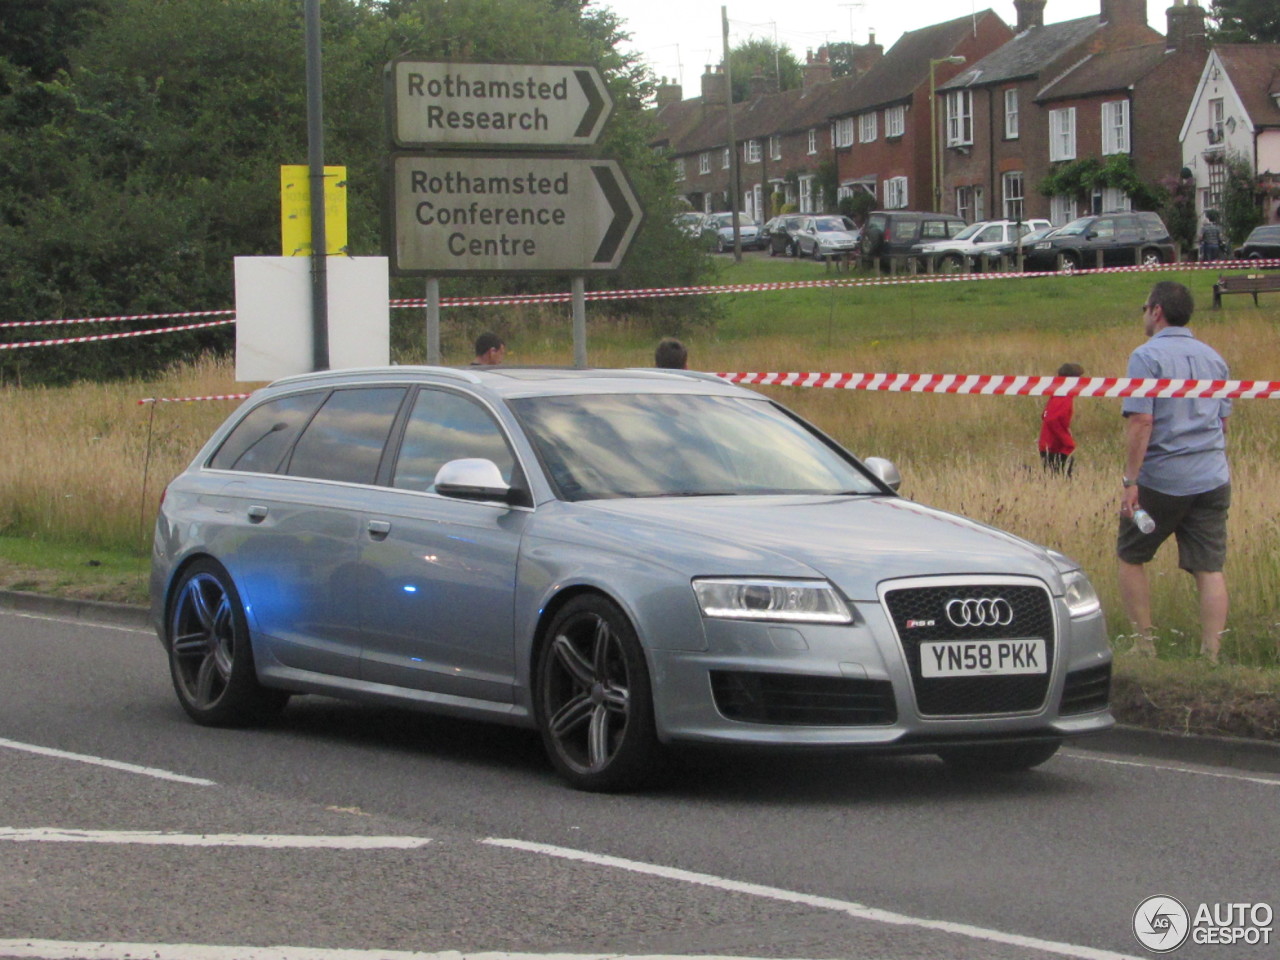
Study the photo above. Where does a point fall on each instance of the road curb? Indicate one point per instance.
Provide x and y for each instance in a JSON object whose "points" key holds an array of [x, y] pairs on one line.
{"points": [[1123, 739], [96, 611]]}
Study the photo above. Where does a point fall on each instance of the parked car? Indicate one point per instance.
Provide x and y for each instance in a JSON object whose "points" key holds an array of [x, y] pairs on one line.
{"points": [[1263, 243], [1122, 238], [624, 560], [961, 251], [717, 231], [690, 223], [826, 236], [779, 234], [1027, 241], [893, 233]]}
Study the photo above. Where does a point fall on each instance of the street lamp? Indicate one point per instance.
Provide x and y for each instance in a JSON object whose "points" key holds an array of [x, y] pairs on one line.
{"points": [[933, 122]]}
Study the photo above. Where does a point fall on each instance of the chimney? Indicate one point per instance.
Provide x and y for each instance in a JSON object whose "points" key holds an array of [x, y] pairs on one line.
{"points": [[1125, 12], [715, 91], [1186, 27], [756, 85], [816, 69], [866, 55], [1030, 13], [668, 93]]}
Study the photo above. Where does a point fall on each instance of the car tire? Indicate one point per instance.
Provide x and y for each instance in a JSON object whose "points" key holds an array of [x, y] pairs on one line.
{"points": [[871, 242], [721, 246], [791, 248], [210, 653], [1151, 257], [951, 263], [1068, 261], [593, 699], [999, 758]]}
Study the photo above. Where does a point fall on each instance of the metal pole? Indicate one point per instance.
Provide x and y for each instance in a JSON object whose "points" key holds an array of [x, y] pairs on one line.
{"points": [[734, 184], [433, 320], [579, 323], [933, 130], [315, 167]]}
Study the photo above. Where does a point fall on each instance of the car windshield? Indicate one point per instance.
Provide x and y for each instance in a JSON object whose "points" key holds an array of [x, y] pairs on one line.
{"points": [[969, 231], [1035, 235], [1076, 227], [831, 226], [605, 446]]}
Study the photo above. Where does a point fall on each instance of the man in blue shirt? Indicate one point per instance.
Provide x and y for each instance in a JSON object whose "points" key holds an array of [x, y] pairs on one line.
{"points": [[1175, 470]]}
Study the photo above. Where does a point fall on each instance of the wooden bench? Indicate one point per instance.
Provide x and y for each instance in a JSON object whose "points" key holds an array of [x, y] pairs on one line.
{"points": [[1254, 283]]}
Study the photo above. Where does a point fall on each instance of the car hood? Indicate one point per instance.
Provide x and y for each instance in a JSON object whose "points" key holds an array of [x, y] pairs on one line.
{"points": [[855, 541], [837, 236]]}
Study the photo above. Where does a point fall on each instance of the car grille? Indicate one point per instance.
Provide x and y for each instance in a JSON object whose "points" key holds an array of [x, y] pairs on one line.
{"points": [[1086, 690], [791, 700], [979, 695]]}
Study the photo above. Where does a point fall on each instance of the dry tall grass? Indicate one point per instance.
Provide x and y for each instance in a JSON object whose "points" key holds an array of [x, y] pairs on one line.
{"points": [[76, 457]]}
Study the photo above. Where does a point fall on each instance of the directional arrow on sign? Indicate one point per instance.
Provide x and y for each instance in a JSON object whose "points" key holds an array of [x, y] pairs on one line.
{"points": [[468, 105], [498, 213]]}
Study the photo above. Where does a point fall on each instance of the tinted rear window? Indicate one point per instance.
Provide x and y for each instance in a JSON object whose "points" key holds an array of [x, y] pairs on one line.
{"points": [[344, 441], [260, 441]]}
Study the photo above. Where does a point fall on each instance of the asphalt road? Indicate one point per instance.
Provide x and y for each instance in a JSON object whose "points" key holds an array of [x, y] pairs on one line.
{"points": [[127, 830]]}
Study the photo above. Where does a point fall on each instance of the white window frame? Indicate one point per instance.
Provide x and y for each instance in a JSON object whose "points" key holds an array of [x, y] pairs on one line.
{"points": [[959, 118], [895, 121], [679, 168], [964, 204], [1013, 185], [751, 151], [867, 127], [1217, 117], [1062, 134], [1115, 126], [806, 194], [1062, 209], [724, 163], [1011, 114], [843, 132], [775, 147], [895, 193], [704, 163], [813, 140], [979, 203]]}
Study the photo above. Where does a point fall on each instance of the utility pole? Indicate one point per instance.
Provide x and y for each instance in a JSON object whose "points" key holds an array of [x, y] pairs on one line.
{"points": [[735, 189]]}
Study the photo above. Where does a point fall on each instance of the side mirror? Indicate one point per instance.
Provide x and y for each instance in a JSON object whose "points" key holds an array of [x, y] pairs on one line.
{"points": [[472, 479], [885, 472]]}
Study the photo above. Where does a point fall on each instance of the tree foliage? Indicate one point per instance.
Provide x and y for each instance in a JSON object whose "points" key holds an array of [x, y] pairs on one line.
{"points": [[1080, 178], [1241, 211], [133, 175], [1245, 21], [756, 57]]}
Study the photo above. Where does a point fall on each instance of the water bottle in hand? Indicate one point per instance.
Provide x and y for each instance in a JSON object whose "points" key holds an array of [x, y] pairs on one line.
{"points": [[1143, 520]]}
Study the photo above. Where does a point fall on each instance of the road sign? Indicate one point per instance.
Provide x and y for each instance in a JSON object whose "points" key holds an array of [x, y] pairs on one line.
{"points": [[498, 214], [463, 105]]}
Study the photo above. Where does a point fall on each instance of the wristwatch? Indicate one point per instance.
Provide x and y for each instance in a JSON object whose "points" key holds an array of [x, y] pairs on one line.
{"points": [[1128, 483]]}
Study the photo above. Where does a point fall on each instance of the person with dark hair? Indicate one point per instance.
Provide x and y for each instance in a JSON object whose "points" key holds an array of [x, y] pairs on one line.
{"points": [[1210, 237], [1056, 444], [490, 349], [671, 354], [1175, 470]]}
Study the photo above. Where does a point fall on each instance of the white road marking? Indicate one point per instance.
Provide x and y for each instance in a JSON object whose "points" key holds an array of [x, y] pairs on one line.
{"points": [[849, 908], [76, 621], [1171, 768], [103, 762], [161, 838], [70, 950]]}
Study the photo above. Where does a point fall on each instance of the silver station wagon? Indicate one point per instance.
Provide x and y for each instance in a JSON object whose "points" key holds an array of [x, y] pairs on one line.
{"points": [[627, 560]]}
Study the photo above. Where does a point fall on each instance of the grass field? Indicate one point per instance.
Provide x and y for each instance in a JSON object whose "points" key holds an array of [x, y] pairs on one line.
{"points": [[88, 463]]}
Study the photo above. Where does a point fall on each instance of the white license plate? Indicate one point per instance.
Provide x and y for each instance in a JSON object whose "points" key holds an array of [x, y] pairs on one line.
{"points": [[981, 658]]}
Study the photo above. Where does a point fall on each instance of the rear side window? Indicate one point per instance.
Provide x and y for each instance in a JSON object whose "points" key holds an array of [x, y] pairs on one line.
{"points": [[345, 440], [934, 230], [260, 441], [446, 426], [906, 231]]}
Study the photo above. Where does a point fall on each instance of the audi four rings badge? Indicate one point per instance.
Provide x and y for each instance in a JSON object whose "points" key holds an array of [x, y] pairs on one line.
{"points": [[981, 612]]}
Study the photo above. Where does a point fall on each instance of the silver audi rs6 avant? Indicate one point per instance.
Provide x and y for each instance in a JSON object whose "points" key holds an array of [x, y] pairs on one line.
{"points": [[627, 560]]}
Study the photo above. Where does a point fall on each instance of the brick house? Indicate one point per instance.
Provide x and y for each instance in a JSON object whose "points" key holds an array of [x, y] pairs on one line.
{"points": [[1235, 109], [882, 129], [1096, 86]]}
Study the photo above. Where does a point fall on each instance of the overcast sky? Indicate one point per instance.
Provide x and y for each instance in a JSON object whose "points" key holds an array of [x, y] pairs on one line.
{"points": [[678, 38]]}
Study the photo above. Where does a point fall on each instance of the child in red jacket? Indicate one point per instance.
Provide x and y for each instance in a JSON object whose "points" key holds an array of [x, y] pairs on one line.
{"points": [[1056, 443]]}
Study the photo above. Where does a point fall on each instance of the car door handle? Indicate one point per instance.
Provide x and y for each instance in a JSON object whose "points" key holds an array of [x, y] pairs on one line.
{"points": [[257, 514], [378, 529]]}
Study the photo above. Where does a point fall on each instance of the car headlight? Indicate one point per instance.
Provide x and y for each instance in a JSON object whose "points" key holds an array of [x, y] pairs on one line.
{"points": [[1044, 246], [754, 598], [1082, 599]]}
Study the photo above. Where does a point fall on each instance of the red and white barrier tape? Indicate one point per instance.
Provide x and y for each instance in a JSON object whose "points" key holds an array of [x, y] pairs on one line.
{"points": [[214, 396], [993, 385], [114, 336], [960, 383], [12, 324]]}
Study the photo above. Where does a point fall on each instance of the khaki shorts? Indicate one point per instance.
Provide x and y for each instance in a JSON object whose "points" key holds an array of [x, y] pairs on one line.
{"points": [[1198, 522]]}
